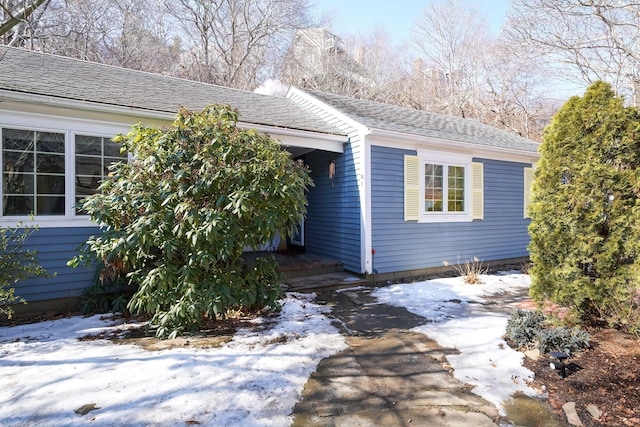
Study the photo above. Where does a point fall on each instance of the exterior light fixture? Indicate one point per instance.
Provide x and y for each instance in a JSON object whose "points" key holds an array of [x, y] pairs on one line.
{"points": [[559, 365]]}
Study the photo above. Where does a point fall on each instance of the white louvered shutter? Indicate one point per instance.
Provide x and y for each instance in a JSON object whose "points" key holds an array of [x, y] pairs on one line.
{"points": [[411, 188], [477, 190]]}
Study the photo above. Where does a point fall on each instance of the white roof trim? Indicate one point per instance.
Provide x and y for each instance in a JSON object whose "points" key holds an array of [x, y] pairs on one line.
{"points": [[403, 140]]}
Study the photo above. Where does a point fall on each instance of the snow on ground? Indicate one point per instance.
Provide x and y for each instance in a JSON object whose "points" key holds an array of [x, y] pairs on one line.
{"points": [[455, 321], [46, 373]]}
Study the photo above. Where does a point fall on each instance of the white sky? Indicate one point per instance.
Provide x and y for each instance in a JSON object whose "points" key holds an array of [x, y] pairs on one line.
{"points": [[46, 372]]}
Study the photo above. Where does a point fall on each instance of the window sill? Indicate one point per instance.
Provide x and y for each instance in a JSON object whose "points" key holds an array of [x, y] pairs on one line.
{"points": [[445, 218], [47, 221]]}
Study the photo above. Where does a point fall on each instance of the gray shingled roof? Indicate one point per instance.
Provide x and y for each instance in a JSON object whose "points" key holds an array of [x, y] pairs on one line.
{"points": [[375, 115], [66, 78]]}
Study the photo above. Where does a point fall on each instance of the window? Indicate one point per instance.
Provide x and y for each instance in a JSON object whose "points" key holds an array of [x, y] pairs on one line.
{"points": [[443, 187], [94, 155], [33, 173]]}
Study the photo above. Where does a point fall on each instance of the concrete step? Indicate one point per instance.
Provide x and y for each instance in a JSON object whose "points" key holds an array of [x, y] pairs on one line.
{"points": [[327, 281]]}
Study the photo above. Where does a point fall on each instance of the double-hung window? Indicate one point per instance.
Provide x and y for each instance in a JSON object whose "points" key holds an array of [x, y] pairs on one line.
{"points": [[442, 187]]}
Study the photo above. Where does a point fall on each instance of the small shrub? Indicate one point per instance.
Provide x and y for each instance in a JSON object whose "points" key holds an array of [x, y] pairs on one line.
{"points": [[470, 270], [564, 339], [16, 264], [106, 294], [524, 326]]}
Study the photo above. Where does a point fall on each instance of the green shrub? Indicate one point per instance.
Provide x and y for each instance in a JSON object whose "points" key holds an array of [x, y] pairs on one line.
{"points": [[177, 217], [564, 339], [585, 210], [526, 329], [524, 326], [16, 264], [106, 294]]}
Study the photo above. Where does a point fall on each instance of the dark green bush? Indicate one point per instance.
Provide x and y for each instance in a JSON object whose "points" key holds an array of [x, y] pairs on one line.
{"points": [[526, 329], [178, 216]]}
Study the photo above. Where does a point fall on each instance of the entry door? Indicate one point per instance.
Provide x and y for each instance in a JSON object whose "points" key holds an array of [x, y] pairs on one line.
{"points": [[297, 233]]}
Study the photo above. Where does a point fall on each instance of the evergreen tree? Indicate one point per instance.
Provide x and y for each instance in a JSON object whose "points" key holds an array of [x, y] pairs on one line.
{"points": [[585, 212]]}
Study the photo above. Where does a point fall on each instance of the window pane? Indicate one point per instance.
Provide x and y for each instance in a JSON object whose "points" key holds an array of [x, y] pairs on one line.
{"points": [[88, 145], [433, 188], [50, 184], [17, 205], [455, 193], [112, 149], [48, 142], [15, 139], [17, 161], [50, 205], [18, 183], [49, 163]]}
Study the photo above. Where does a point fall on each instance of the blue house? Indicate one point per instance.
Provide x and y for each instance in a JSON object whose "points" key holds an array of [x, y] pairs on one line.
{"points": [[417, 187]]}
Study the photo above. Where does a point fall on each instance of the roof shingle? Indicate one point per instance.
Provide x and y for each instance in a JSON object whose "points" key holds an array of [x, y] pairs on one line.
{"points": [[67, 78], [375, 115]]}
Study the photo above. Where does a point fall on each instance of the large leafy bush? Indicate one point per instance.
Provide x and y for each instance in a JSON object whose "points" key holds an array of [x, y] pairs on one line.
{"points": [[585, 227], [177, 217]]}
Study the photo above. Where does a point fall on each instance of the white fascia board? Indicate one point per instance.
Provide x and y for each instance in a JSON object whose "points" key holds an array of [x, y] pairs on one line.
{"points": [[363, 171], [357, 126], [52, 101], [301, 138], [402, 140]]}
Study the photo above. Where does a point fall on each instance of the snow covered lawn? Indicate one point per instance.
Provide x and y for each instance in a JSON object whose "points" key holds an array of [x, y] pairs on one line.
{"points": [[46, 373], [254, 380]]}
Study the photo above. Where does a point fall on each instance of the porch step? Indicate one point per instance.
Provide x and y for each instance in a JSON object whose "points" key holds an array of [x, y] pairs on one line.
{"points": [[306, 265], [327, 281]]}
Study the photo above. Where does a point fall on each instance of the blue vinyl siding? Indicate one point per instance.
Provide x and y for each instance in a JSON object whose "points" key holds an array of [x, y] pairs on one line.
{"points": [[410, 245], [333, 215], [55, 247]]}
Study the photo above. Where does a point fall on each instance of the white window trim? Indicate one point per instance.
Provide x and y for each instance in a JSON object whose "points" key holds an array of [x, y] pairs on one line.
{"points": [[69, 128], [447, 159]]}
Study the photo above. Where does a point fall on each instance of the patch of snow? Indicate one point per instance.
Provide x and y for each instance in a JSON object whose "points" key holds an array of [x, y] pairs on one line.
{"points": [[485, 360]]}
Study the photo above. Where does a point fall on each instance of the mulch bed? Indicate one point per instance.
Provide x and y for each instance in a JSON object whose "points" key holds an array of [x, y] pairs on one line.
{"points": [[609, 379]]}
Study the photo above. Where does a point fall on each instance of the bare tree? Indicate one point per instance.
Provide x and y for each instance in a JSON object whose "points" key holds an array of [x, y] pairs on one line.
{"points": [[236, 43], [592, 39], [17, 18], [126, 33], [452, 38]]}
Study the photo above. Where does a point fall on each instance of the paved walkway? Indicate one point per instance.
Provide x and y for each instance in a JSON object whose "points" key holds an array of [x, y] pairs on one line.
{"points": [[388, 376]]}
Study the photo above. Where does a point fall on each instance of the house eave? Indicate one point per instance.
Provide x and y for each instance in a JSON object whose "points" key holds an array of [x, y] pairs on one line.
{"points": [[287, 136], [405, 140]]}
